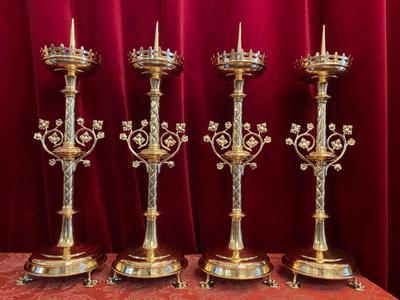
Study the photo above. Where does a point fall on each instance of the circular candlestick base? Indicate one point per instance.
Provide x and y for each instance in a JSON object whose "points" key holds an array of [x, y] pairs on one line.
{"points": [[331, 264], [246, 264], [61, 262], [144, 263]]}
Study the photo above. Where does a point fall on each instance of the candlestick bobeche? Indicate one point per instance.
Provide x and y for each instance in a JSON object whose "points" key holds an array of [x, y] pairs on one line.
{"points": [[237, 150], [69, 148], [320, 153], [153, 150]]}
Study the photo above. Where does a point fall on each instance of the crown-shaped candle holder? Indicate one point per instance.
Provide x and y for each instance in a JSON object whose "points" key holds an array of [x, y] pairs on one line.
{"points": [[237, 150], [153, 149], [320, 153], [69, 147]]}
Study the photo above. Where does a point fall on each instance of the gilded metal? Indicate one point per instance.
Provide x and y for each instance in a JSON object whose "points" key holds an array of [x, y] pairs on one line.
{"points": [[237, 150], [69, 148], [153, 148], [320, 153]]}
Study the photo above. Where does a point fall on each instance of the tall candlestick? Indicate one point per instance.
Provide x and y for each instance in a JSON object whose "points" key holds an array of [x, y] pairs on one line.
{"points": [[320, 153], [70, 148], [235, 261], [151, 260]]}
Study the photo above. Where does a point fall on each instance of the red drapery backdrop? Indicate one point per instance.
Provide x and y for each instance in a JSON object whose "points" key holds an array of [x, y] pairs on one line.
{"points": [[194, 197]]}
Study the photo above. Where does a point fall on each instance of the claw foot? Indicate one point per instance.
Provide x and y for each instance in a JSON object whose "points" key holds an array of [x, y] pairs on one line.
{"points": [[179, 283], [114, 279], [207, 284], [294, 283], [23, 280], [354, 284], [271, 282], [89, 281]]}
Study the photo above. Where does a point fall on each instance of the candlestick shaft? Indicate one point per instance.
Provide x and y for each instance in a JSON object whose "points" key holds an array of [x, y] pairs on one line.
{"points": [[320, 216], [320, 243], [66, 238], [70, 92], [322, 98], [150, 240], [155, 112], [238, 96], [236, 240]]}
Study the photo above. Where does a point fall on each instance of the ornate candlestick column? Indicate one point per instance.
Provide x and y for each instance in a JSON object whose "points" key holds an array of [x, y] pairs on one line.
{"points": [[236, 261], [152, 260], [69, 149], [320, 154]]}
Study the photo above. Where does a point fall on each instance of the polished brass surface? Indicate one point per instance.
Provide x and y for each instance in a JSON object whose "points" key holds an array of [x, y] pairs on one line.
{"points": [[54, 262], [235, 264], [149, 263], [330, 264], [153, 149], [69, 148], [320, 153], [237, 150]]}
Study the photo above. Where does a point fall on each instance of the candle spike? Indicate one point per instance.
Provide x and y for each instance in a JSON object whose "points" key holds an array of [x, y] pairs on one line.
{"points": [[239, 42], [323, 41], [156, 38], [72, 34]]}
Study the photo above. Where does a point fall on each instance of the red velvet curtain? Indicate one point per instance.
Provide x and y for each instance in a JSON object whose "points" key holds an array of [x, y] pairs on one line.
{"points": [[194, 197]]}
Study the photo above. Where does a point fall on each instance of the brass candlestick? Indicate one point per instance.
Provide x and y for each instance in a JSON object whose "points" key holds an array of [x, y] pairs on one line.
{"points": [[69, 149], [320, 154], [235, 261], [152, 260]]}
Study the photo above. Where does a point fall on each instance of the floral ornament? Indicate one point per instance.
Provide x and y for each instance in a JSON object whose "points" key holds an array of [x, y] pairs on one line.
{"points": [[54, 138], [304, 143], [180, 127], [139, 139], [252, 142], [222, 141], [336, 144], [80, 121], [127, 125], [295, 128], [262, 127], [85, 137], [43, 124], [97, 124], [169, 141], [213, 126], [347, 129]]}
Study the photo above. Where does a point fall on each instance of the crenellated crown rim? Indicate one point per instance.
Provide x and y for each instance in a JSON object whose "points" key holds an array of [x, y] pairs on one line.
{"points": [[330, 64], [60, 57], [249, 62], [166, 61]]}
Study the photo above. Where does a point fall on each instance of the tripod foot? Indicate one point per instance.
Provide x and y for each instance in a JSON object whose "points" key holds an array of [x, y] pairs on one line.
{"points": [[89, 281], [179, 283], [354, 284], [23, 280], [294, 283], [268, 281], [208, 283]]}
